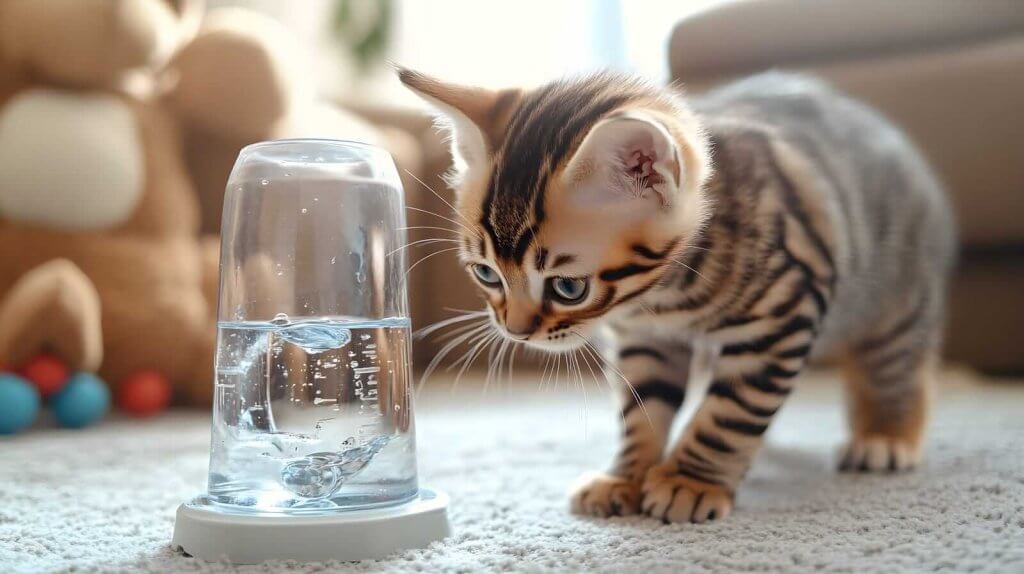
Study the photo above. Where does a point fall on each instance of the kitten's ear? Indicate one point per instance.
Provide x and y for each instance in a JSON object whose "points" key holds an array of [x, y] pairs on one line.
{"points": [[627, 156], [479, 116]]}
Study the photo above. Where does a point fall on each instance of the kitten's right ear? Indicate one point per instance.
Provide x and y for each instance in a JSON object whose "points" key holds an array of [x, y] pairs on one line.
{"points": [[479, 116]]}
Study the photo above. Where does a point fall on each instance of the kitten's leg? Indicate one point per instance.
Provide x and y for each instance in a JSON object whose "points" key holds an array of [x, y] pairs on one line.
{"points": [[699, 477], [658, 372], [889, 382]]}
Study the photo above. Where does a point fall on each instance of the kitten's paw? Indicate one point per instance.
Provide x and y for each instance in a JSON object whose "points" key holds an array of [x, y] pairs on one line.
{"points": [[672, 497], [605, 495], [879, 453]]}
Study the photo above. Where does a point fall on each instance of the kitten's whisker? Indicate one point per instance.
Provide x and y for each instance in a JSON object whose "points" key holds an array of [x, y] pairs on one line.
{"points": [[438, 195], [405, 278], [469, 230], [459, 330], [558, 369], [443, 352], [477, 351], [543, 373], [697, 273], [478, 339], [431, 328], [494, 358], [606, 363], [412, 227], [422, 242], [604, 376], [549, 372], [456, 310], [583, 388]]}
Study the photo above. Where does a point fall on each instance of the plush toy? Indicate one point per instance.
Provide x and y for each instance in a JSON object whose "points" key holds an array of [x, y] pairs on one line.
{"points": [[113, 113]]}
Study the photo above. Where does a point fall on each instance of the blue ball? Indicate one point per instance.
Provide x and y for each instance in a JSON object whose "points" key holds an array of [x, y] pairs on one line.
{"points": [[83, 401], [19, 403]]}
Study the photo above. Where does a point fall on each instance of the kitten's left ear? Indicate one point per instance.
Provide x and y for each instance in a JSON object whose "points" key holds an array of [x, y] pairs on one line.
{"points": [[479, 116], [627, 156]]}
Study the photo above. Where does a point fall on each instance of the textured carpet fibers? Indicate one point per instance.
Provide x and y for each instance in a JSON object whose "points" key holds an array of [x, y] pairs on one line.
{"points": [[103, 499]]}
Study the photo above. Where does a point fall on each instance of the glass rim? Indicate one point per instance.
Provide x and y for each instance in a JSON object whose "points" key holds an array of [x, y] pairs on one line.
{"points": [[321, 141]]}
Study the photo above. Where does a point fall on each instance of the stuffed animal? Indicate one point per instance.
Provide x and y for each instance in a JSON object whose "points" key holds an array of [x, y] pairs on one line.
{"points": [[113, 113]]}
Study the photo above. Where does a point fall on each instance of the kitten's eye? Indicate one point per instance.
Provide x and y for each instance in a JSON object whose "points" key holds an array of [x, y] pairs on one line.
{"points": [[486, 275], [569, 290]]}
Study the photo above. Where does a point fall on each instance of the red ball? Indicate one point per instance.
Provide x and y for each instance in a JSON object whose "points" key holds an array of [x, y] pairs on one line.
{"points": [[48, 373], [144, 393]]}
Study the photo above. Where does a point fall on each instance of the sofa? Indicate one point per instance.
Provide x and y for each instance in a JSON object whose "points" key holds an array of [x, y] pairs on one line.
{"points": [[951, 73]]}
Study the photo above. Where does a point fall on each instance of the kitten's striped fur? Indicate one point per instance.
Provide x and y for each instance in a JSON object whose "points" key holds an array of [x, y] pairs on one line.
{"points": [[771, 221]]}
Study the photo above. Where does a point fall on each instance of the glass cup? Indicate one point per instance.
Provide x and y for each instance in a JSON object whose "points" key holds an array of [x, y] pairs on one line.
{"points": [[312, 409]]}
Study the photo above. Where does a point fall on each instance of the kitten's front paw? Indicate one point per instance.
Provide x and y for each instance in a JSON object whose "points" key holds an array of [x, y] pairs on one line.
{"points": [[879, 453], [605, 495], [672, 497]]}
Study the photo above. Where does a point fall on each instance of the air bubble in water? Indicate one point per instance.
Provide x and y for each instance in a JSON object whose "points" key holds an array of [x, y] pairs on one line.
{"points": [[281, 319], [315, 337], [322, 474], [264, 182]]}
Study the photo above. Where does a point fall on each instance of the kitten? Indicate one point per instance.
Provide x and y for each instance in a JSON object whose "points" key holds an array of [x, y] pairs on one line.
{"points": [[771, 221]]}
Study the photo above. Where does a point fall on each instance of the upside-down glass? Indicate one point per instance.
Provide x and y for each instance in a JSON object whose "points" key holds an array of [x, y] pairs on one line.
{"points": [[312, 412]]}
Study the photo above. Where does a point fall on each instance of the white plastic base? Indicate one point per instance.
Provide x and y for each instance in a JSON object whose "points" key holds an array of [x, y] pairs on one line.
{"points": [[355, 535]]}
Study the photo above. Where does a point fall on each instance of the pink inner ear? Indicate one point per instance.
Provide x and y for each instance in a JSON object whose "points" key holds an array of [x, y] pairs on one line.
{"points": [[640, 169]]}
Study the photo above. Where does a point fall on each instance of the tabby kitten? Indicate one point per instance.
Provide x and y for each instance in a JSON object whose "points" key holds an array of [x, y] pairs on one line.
{"points": [[771, 221]]}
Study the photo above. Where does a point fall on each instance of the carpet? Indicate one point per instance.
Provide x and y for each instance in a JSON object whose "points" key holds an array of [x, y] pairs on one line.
{"points": [[103, 499]]}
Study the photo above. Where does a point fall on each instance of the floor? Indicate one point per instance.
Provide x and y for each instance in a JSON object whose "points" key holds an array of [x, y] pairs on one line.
{"points": [[103, 499]]}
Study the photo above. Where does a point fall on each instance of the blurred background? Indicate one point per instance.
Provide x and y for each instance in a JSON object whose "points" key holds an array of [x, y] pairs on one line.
{"points": [[202, 79]]}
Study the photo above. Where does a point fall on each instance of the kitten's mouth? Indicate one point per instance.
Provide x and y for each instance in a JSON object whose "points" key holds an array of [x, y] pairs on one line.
{"points": [[551, 343]]}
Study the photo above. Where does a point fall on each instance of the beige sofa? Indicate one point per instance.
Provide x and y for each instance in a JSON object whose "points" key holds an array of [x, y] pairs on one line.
{"points": [[951, 73]]}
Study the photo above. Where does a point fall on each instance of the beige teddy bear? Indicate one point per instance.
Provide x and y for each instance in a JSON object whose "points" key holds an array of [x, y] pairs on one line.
{"points": [[113, 113]]}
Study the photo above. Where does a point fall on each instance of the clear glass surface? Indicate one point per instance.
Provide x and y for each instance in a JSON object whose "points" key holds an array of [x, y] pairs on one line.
{"points": [[312, 411]]}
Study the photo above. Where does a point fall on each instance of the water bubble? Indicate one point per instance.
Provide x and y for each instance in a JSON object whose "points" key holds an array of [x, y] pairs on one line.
{"points": [[316, 337], [321, 474], [354, 364], [365, 337], [264, 182], [304, 210], [310, 479], [281, 319]]}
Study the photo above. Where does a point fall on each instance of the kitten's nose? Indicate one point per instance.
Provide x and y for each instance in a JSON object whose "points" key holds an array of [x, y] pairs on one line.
{"points": [[521, 327]]}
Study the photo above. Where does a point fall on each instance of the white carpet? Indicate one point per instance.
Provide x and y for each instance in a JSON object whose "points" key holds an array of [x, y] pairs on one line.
{"points": [[104, 499]]}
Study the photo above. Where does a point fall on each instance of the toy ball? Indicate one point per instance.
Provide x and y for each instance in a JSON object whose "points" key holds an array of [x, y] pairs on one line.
{"points": [[47, 373], [83, 401], [19, 403], [144, 393]]}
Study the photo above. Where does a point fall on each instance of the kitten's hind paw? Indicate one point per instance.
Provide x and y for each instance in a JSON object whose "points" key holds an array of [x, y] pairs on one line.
{"points": [[604, 495], [674, 498], [879, 454]]}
